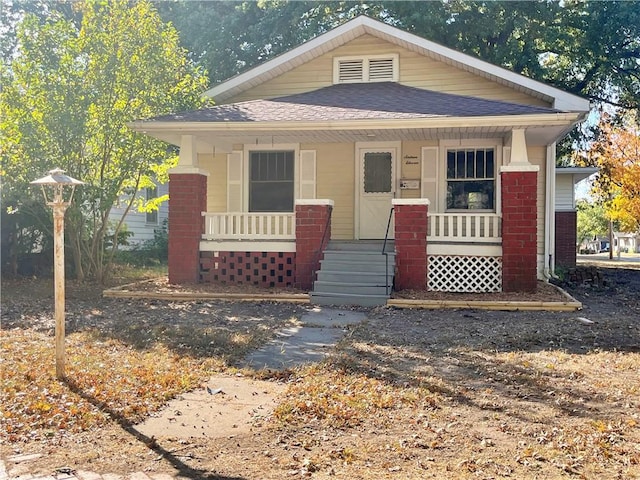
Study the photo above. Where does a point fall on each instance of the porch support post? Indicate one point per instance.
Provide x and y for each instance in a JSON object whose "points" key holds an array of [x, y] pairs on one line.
{"points": [[519, 227], [188, 154], [187, 201], [411, 243], [313, 232], [518, 142]]}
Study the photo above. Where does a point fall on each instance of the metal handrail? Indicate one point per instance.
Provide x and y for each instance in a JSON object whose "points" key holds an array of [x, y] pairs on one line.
{"points": [[386, 254]]}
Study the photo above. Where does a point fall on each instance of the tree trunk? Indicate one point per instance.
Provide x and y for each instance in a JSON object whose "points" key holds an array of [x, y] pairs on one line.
{"points": [[611, 240]]}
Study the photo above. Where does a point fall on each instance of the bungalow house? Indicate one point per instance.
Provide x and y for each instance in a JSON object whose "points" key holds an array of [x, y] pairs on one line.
{"points": [[362, 140]]}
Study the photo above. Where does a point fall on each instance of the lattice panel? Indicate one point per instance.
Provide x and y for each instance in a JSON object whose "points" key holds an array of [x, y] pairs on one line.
{"points": [[453, 273], [265, 269]]}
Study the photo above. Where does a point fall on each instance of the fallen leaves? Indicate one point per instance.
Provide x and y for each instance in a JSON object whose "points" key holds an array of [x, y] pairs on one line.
{"points": [[344, 399], [104, 380]]}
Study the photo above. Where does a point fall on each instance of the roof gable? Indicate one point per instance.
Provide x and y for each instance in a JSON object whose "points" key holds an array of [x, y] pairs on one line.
{"points": [[363, 25]]}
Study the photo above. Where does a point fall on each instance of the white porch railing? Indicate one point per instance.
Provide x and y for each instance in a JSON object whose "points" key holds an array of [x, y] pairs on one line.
{"points": [[464, 227], [249, 226], [442, 227]]}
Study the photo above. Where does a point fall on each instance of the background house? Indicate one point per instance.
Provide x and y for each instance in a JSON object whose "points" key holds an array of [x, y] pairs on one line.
{"points": [[141, 225], [626, 242], [322, 142], [565, 241]]}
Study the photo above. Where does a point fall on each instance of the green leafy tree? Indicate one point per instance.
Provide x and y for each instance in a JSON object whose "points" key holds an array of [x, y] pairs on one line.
{"points": [[68, 95], [592, 220]]}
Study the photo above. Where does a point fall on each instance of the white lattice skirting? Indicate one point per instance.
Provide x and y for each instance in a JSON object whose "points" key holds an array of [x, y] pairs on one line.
{"points": [[454, 273]]}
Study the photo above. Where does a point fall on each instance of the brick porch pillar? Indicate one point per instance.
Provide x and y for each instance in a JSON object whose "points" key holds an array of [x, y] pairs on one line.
{"points": [[187, 201], [410, 217], [566, 238], [519, 228], [313, 232]]}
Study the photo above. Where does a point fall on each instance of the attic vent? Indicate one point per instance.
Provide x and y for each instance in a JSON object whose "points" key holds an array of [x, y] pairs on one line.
{"points": [[381, 69], [350, 71], [371, 68]]}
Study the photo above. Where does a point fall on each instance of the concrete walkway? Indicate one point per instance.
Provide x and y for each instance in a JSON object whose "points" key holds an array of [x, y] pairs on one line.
{"points": [[311, 341]]}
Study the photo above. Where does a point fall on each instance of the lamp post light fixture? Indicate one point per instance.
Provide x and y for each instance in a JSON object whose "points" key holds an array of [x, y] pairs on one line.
{"points": [[54, 186]]}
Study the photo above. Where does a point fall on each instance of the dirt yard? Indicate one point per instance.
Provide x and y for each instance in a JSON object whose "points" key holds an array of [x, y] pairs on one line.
{"points": [[408, 394]]}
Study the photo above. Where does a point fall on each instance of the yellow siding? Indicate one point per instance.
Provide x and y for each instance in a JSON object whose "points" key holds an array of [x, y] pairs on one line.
{"points": [[537, 156], [415, 70], [216, 181], [335, 180], [410, 162]]}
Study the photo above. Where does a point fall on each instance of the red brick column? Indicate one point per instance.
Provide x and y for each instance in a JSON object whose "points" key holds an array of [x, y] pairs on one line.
{"points": [[187, 201], [519, 229], [313, 232], [566, 238], [411, 243]]}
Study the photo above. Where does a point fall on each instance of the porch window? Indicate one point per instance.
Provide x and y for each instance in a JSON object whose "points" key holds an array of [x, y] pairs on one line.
{"points": [[271, 181], [471, 179]]}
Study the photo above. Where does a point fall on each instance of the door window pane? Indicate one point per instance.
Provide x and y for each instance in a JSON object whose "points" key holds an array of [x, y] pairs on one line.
{"points": [[377, 172]]}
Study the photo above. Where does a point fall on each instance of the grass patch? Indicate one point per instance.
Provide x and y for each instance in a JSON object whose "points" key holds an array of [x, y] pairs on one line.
{"points": [[124, 273]]}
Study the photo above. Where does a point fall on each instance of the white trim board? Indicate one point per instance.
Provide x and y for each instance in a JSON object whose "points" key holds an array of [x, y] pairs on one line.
{"points": [[247, 246]]}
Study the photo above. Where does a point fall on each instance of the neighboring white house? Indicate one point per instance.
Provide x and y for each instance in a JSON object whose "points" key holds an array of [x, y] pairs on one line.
{"points": [[142, 225], [626, 242], [567, 178]]}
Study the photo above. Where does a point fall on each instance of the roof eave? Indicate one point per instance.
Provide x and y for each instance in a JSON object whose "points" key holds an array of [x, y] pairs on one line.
{"points": [[577, 173], [516, 121]]}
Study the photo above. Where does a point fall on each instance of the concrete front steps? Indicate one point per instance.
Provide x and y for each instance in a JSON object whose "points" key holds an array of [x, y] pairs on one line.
{"points": [[354, 273]]}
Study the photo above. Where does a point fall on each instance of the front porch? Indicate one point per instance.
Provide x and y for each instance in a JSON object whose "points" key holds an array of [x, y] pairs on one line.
{"points": [[463, 251], [467, 251]]}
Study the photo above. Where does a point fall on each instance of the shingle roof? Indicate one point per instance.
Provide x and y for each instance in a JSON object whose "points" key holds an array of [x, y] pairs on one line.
{"points": [[361, 101]]}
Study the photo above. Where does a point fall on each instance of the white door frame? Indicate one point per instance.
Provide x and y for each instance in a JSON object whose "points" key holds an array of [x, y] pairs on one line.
{"points": [[360, 147]]}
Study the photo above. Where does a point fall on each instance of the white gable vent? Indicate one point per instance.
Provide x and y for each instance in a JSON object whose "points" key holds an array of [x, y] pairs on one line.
{"points": [[350, 71], [371, 68], [381, 69]]}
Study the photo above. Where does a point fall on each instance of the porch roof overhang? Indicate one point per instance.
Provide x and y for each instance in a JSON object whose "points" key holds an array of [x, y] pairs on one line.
{"points": [[541, 129], [360, 112]]}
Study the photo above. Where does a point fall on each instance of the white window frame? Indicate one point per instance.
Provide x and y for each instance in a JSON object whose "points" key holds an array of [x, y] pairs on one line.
{"points": [[469, 144], [155, 213], [295, 147], [365, 67]]}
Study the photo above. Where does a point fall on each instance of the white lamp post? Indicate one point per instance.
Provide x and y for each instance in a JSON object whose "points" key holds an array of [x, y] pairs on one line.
{"points": [[53, 188]]}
